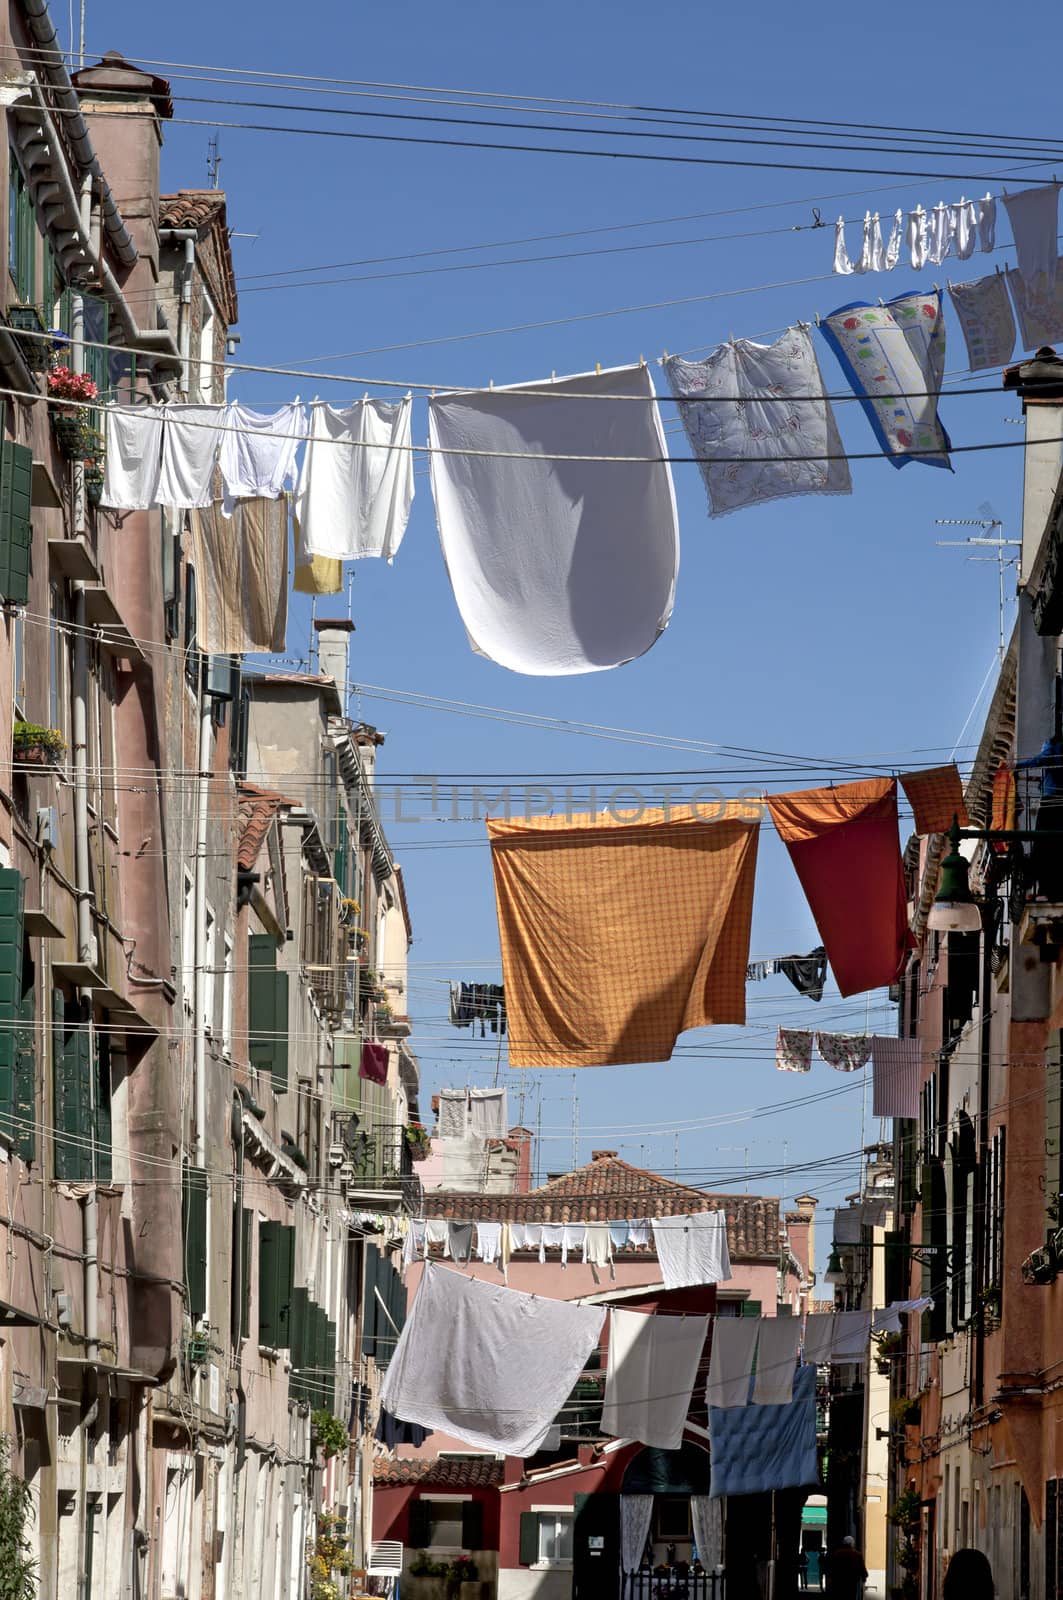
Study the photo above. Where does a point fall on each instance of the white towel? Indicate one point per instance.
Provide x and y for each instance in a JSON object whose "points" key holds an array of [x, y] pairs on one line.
{"points": [[852, 1333], [190, 438], [598, 1245], [487, 1113], [437, 1231], [134, 457], [776, 1361], [653, 1364], [518, 1236], [486, 1364], [257, 453], [488, 1240], [819, 1339], [551, 1238], [413, 1246], [1034, 218], [638, 1232], [557, 566], [734, 1341], [692, 1249], [533, 1237], [356, 483], [573, 1237]]}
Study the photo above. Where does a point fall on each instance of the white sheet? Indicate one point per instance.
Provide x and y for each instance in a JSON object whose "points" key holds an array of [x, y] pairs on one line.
{"points": [[487, 1364], [557, 566], [776, 1361], [653, 1362], [258, 450], [819, 1338], [190, 439], [487, 1113], [852, 1334], [356, 482], [134, 457], [692, 1249]]}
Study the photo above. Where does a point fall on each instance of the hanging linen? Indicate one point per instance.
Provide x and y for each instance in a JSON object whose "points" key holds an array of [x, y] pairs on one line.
{"points": [[892, 252], [808, 974], [1038, 308], [487, 1113], [776, 1361], [897, 1068], [845, 1052], [639, 1233], [987, 223], [986, 320], [692, 1249], [373, 1065], [636, 1514], [487, 1364], [191, 436], [706, 1516], [893, 356], [845, 849], [533, 1237], [754, 414], [936, 798], [551, 1238], [356, 483], [598, 1248], [437, 1232], [558, 566], [488, 1241], [963, 223], [313, 574], [618, 1235], [505, 1250], [940, 234], [1034, 218], [852, 1334], [616, 938], [734, 1344], [918, 244], [793, 1050], [842, 263], [257, 453], [649, 1379], [133, 461], [413, 1246], [453, 1113], [459, 1241], [755, 1449], [573, 1237], [818, 1339], [241, 569], [889, 1319]]}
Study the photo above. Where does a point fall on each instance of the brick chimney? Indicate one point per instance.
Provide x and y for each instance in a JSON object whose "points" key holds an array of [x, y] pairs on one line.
{"points": [[1039, 385], [125, 108], [333, 649], [603, 1155], [801, 1232]]}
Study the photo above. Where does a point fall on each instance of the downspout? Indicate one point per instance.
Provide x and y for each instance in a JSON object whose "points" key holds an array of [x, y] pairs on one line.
{"points": [[188, 237], [981, 1219], [200, 935]]}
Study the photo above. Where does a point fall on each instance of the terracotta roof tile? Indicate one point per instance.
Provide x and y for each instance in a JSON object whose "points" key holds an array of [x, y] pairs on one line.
{"points": [[610, 1188], [190, 208], [481, 1472], [258, 807]]}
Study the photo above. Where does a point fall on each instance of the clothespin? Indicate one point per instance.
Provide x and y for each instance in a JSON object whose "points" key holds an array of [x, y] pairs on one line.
{"points": [[664, 355], [490, 383], [598, 368], [642, 361], [936, 289], [817, 319]]}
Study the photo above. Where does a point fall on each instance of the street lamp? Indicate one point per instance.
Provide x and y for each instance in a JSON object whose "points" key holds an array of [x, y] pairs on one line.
{"points": [[835, 1273], [955, 910]]}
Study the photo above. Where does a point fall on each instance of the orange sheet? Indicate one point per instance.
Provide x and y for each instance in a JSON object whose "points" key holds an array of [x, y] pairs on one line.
{"points": [[935, 796], [618, 936], [845, 848]]}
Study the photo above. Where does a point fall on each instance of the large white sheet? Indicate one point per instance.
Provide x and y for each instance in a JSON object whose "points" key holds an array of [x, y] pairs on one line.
{"points": [[356, 483], [487, 1364], [653, 1362], [557, 566], [692, 1249]]}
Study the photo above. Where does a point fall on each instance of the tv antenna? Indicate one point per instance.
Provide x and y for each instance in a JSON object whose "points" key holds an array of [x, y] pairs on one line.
{"points": [[989, 523], [214, 159]]}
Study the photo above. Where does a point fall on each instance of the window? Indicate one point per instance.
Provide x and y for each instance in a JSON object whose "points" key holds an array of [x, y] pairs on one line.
{"points": [[58, 648], [276, 1262], [82, 1094], [188, 910], [21, 236], [17, 1014], [546, 1537], [449, 1522], [206, 350], [193, 659], [16, 532], [227, 996], [267, 1011], [210, 956], [672, 1514], [194, 1234]]}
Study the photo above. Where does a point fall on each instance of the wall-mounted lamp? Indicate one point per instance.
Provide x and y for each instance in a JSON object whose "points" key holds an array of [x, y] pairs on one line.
{"points": [[955, 909]]}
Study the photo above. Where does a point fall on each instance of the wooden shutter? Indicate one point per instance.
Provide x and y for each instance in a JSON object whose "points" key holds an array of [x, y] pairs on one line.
{"points": [[16, 528], [269, 1246], [529, 1538], [285, 1276], [11, 942], [297, 1333], [751, 1308], [102, 1119], [72, 1091], [267, 1006], [26, 1078], [472, 1525], [195, 1239], [420, 1529], [247, 1222], [331, 1377], [934, 1232], [339, 865], [372, 1259]]}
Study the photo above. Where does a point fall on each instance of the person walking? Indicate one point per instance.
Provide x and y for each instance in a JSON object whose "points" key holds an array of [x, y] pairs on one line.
{"points": [[846, 1573], [969, 1576]]}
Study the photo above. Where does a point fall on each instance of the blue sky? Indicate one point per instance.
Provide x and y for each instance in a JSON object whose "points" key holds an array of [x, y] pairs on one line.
{"points": [[827, 627]]}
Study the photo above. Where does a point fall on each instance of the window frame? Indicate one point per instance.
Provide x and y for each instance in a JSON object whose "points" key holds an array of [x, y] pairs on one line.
{"points": [[562, 1518], [22, 235]]}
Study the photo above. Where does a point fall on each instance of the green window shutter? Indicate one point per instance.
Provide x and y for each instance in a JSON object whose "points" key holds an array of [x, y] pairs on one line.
{"points": [[12, 890], [372, 1258], [529, 1538], [896, 1265], [472, 1525], [331, 1375], [269, 1245], [72, 1092], [267, 1005], [934, 1232], [339, 866], [285, 1275], [247, 1222], [16, 529], [751, 1308], [194, 1216], [297, 1334], [103, 1110], [26, 1079], [420, 1528]]}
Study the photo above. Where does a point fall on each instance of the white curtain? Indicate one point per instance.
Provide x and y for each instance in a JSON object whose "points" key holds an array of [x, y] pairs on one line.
{"points": [[635, 1513], [707, 1517]]}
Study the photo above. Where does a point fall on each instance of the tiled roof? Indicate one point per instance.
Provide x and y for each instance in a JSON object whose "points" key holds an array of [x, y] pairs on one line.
{"points": [[481, 1472], [609, 1188], [258, 807]]}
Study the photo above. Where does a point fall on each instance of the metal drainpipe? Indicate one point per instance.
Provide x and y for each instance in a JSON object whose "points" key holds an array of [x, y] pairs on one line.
{"points": [[200, 933], [184, 324]]}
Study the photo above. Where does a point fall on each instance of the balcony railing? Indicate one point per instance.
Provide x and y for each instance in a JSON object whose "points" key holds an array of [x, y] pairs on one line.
{"points": [[673, 1585]]}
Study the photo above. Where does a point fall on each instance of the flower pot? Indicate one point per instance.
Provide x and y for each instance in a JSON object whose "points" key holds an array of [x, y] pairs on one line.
{"points": [[94, 488], [70, 436], [35, 755]]}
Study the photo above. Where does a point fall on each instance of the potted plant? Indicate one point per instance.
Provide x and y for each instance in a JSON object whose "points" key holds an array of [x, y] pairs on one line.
{"points": [[95, 452], [33, 746], [34, 347], [328, 1434], [905, 1411], [72, 433], [888, 1347], [418, 1142]]}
